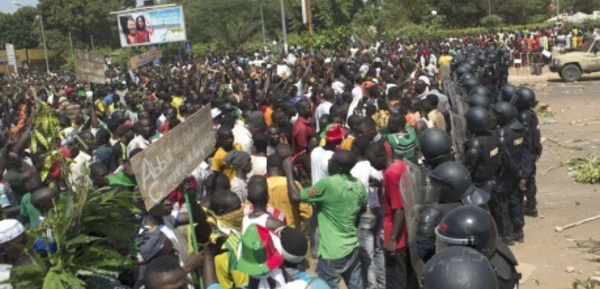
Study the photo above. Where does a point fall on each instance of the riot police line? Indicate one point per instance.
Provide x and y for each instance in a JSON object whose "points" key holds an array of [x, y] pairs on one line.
{"points": [[476, 183]]}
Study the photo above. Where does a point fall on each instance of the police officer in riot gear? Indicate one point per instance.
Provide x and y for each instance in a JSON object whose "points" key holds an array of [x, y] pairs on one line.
{"points": [[468, 83], [473, 227], [508, 93], [525, 101], [482, 152], [452, 188], [436, 147], [483, 90], [459, 268], [455, 186], [506, 205], [478, 99]]}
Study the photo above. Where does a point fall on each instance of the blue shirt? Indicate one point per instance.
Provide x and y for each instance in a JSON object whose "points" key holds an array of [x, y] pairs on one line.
{"points": [[108, 100]]}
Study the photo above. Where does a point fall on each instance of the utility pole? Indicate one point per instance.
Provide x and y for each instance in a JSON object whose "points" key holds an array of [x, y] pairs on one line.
{"points": [[44, 40], [285, 43], [309, 17], [489, 7], [557, 11], [93, 48], [71, 42], [262, 19]]}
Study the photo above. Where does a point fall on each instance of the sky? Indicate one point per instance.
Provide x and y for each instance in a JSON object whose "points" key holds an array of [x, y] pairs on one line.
{"points": [[6, 6]]}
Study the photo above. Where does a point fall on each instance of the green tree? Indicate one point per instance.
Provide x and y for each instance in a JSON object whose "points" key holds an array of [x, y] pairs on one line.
{"points": [[83, 19], [491, 21], [18, 28]]}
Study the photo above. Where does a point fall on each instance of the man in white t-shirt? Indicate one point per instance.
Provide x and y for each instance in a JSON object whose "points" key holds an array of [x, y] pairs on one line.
{"points": [[323, 108], [357, 96], [371, 222], [320, 156]]}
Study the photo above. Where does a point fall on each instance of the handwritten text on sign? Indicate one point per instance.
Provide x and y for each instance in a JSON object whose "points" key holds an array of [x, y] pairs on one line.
{"points": [[160, 168], [91, 57], [91, 68], [145, 58]]}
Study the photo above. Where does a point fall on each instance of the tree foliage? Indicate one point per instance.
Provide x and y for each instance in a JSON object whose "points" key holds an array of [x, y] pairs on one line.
{"points": [[492, 21], [18, 28], [85, 226], [83, 19], [232, 24]]}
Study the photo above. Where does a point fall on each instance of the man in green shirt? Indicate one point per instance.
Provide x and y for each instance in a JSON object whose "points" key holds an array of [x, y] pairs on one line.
{"points": [[339, 201]]}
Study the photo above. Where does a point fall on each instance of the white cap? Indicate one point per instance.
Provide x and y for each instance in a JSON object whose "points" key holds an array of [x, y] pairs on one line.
{"points": [[425, 79], [10, 229]]}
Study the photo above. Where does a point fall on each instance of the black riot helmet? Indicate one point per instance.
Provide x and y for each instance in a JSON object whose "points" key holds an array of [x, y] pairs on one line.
{"points": [[465, 76], [454, 184], [470, 83], [478, 99], [481, 89], [459, 268], [473, 61], [463, 69], [479, 120], [525, 98], [481, 59], [508, 92], [469, 226], [504, 112], [435, 145]]}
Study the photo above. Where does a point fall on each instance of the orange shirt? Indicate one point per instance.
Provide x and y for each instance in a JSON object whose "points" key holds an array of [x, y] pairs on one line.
{"points": [[22, 119], [268, 114], [412, 118]]}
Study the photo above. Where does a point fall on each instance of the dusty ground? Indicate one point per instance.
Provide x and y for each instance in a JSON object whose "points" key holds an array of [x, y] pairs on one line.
{"points": [[575, 108]]}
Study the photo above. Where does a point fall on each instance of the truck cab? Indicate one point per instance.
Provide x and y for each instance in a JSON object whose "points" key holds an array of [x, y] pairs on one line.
{"points": [[570, 66]]}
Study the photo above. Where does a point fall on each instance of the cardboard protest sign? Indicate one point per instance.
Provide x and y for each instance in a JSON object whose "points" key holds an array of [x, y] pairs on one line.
{"points": [[89, 67], [160, 168], [145, 58]]}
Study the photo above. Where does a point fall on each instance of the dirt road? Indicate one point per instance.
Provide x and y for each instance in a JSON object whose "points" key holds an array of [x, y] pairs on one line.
{"points": [[572, 130]]}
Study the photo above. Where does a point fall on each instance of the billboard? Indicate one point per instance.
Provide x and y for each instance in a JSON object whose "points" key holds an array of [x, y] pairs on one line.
{"points": [[151, 26]]}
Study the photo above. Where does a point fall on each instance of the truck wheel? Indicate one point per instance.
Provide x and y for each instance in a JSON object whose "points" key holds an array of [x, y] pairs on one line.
{"points": [[570, 73]]}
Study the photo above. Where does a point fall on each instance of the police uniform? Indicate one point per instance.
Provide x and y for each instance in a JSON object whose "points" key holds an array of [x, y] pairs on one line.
{"points": [[508, 206], [532, 151]]}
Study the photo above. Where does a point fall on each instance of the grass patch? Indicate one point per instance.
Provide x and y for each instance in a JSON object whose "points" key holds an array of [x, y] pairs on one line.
{"points": [[587, 170]]}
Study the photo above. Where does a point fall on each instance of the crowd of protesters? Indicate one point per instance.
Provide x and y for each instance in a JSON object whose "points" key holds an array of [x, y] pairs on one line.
{"points": [[310, 149]]}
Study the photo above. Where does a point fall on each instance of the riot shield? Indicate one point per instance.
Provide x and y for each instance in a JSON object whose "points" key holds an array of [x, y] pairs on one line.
{"points": [[454, 93], [458, 134], [445, 71], [461, 104], [413, 196]]}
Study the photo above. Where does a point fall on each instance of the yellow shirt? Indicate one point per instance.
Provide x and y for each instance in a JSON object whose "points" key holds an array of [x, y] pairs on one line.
{"points": [[381, 118], [219, 164], [347, 143], [445, 60], [225, 263], [176, 103], [279, 198]]}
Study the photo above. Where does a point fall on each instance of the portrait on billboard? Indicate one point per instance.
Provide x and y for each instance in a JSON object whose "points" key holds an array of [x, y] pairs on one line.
{"points": [[144, 27]]}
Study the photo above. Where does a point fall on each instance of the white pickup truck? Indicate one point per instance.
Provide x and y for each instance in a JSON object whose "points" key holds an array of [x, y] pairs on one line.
{"points": [[571, 65]]}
